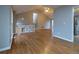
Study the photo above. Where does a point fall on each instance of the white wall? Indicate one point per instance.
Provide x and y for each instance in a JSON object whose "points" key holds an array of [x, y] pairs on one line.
{"points": [[63, 23], [5, 15]]}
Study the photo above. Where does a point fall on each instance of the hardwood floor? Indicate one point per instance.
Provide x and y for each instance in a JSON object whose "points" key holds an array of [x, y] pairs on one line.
{"points": [[40, 42], [76, 39]]}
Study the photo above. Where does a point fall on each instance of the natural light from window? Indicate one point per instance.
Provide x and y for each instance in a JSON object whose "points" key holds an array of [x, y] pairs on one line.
{"points": [[35, 15]]}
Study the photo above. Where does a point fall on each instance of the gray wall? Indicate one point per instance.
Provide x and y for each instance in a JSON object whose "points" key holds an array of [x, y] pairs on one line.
{"points": [[63, 23], [5, 27]]}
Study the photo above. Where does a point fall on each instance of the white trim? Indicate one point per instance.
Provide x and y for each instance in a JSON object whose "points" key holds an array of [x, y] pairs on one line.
{"points": [[6, 48], [12, 35], [63, 38], [73, 23], [11, 39]]}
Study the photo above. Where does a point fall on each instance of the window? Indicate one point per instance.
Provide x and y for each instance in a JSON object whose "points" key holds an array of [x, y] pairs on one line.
{"points": [[35, 15]]}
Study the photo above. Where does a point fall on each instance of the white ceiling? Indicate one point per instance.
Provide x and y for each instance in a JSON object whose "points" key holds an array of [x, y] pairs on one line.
{"points": [[25, 8]]}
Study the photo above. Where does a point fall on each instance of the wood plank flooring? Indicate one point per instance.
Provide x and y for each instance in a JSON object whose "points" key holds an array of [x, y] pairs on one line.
{"points": [[40, 42]]}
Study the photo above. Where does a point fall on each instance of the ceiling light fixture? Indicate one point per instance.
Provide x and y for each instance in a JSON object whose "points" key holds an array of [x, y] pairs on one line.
{"points": [[46, 9]]}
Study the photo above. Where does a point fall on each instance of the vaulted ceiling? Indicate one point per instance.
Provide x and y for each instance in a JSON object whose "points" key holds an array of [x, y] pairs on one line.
{"points": [[25, 8]]}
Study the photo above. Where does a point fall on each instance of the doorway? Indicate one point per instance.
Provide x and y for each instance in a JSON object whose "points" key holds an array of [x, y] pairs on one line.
{"points": [[76, 25]]}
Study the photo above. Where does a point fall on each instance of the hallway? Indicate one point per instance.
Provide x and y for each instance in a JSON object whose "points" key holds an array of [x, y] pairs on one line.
{"points": [[40, 42]]}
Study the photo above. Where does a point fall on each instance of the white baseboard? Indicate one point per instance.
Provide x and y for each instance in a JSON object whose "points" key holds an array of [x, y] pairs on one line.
{"points": [[4, 49], [63, 38], [11, 39]]}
